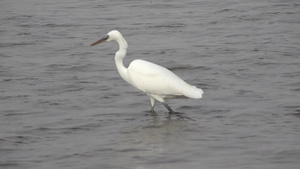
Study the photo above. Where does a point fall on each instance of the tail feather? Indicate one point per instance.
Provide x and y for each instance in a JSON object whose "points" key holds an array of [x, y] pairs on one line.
{"points": [[193, 92]]}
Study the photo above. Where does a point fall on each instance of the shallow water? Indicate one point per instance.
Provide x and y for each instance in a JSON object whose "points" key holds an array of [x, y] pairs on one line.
{"points": [[63, 104]]}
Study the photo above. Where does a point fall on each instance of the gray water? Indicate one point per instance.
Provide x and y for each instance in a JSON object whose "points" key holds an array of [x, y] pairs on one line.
{"points": [[63, 104]]}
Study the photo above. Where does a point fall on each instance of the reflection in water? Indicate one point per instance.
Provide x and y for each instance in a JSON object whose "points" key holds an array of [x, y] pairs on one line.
{"points": [[161, 139], [163, 129], [157, 137]]}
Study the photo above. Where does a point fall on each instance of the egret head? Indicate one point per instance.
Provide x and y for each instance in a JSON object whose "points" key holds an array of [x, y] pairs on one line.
{"points": [[112, 35]]}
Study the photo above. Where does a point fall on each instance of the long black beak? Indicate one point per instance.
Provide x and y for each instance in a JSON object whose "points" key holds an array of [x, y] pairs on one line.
{"points": [[100, 41]]}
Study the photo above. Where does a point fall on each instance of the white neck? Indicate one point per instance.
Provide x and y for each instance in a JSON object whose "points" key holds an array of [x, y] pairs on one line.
{"points": [[120, 54]]}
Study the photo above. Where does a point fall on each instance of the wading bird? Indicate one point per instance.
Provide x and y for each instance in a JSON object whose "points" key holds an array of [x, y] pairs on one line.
{"points": [[156, 81]]}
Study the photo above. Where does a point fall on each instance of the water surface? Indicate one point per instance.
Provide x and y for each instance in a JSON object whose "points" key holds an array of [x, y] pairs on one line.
{"points": [[63, 104]]}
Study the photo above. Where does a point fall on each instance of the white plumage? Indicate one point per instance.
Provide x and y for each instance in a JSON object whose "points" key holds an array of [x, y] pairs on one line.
{"points": [[156, 81]]}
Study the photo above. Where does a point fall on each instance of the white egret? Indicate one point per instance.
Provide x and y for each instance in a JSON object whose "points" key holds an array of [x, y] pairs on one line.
{"points": [[156, 81]]}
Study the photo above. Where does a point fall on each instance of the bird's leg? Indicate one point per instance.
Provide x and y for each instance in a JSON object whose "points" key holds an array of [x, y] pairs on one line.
{"points": [[152, 104], [152, 109], [168, 107]]}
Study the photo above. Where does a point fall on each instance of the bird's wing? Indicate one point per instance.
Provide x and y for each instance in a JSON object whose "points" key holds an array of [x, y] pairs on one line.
{"points": [[157, 80]]}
